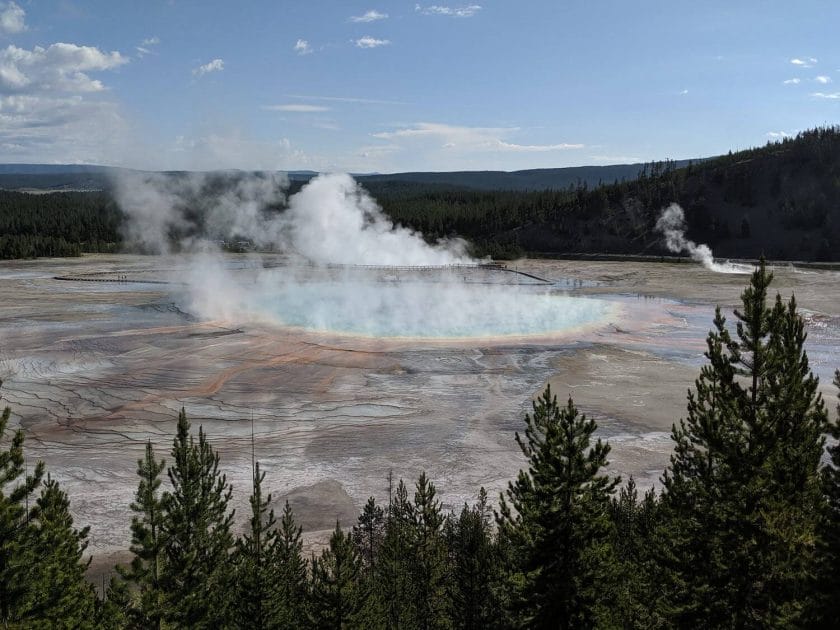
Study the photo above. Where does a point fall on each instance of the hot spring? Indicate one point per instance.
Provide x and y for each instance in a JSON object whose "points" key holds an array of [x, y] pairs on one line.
{"points": [[433, 303], [427, 311]]}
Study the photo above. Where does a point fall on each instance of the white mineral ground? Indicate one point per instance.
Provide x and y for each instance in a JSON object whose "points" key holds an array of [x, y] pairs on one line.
{"points": [[93, 370]]}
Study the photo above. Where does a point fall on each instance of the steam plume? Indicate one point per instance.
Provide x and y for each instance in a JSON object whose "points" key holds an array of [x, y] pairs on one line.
{"points": [[671, 224], [331, 220]]}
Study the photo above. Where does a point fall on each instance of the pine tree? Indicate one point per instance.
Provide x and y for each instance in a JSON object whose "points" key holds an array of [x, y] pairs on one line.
{"points": [[60, 597], [396, 586], [428, 558], [336, 597], [256, 570], [742, 499], [470, 543], [147, 544], [196, 576], [368, 536], [290, 605], [634, 525], [15, 516], [556, 519], [829, 577]]}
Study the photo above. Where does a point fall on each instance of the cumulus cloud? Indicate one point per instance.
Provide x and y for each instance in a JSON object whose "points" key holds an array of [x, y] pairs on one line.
{"points": [[793, 81], [296, 107], [302, 47], [435, 9], [778, 135], [370, 42], [830, 96], [59, 68], [822, 79], [803, 63], [217, 65], [12, 18], [471, 139], [370, 16]]}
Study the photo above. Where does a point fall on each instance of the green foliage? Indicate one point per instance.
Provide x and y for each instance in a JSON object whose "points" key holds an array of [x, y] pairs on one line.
{"points": [[256, 571], [196, 576], [742, 497], [291, 604], [16, 488], [145, 606], [57, 224], [336, 597], [556, 519], [59, 595]]}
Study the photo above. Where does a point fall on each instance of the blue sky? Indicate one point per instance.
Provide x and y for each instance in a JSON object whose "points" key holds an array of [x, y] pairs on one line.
{"points": [[395, 86]]}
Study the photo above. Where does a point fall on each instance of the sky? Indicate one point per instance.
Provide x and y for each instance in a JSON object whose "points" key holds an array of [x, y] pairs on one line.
{"points": [[400, 86]]}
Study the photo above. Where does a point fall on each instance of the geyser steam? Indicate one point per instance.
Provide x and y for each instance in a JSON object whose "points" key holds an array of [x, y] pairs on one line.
{"points": [[671, 224], [330, 221]]}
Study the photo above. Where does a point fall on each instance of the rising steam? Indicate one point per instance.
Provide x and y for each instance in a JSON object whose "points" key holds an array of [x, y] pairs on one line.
{"points": [[330, 221], [671, 224]]}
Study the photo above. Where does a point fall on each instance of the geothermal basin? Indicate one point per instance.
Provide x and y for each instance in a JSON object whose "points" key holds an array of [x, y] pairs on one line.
{"points": [[349, 374]]}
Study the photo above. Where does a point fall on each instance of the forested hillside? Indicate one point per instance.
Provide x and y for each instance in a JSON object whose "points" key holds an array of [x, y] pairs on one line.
{"points": [[744, 532], [781, 200]]}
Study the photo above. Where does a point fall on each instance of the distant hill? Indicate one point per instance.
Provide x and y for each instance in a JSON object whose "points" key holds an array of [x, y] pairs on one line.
{"points": [[533, 179], [57, 177]]}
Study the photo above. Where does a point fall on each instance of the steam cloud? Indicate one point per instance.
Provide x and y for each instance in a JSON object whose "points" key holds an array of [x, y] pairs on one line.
{"points": [[671, 224], [330, 221]]}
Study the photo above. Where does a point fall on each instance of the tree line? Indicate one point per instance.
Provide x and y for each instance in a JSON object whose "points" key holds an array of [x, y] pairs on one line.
{"points": [[781, 200], [744, 532]]}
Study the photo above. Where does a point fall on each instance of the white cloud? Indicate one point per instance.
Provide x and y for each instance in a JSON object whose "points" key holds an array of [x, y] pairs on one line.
{"points": [[346, 99], [470, 139], [145, 47], [778, 135], [793, 81], [296, 107], [371, 16], [12, 18], [435, 9], [59, 68], [302, 47], [370, 42], [831, 96], [683, 92], [803, 63], [217, 65], [822, 79], [45, 110]]}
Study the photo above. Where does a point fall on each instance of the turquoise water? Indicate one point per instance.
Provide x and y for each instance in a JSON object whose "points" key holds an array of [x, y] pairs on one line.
{"points": [[383, 309]]}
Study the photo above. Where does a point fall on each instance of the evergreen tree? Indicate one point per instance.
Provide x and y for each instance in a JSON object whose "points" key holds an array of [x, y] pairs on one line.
{"points": [[396, 586], [60, 597], [470, 543], [556, 519], [634, 525], [15, 515], [145, 604], [368, 535], [336, 597], [256, 569], [196, 576], [829, 577], [741, 499], [428, 558], [290, 605]]}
